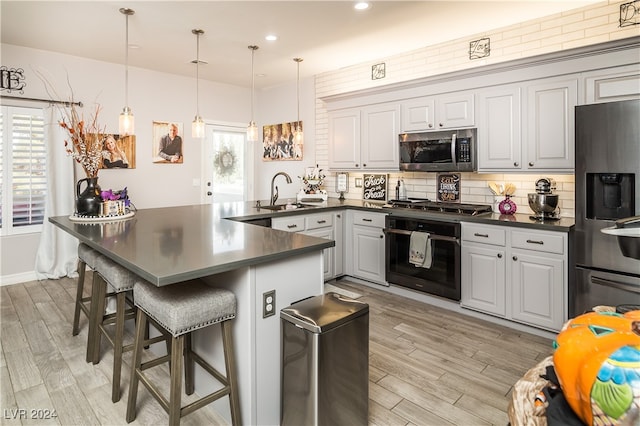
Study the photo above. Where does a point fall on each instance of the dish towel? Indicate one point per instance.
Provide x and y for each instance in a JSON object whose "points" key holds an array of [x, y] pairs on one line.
{"points": [[420, 250]]}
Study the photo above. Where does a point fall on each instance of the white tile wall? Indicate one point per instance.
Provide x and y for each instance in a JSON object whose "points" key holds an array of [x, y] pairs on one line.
{"points": [[581, 27]]}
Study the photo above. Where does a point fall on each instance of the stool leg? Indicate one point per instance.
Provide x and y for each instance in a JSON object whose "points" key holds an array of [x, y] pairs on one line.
{"points": [[175, 392], [230, 363], [189, 367], [98, 290], [79, 295], [117, 346], [98, 314], [141, 320]]}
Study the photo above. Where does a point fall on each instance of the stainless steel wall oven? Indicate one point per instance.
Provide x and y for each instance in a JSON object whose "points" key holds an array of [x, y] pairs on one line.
{"points": [[443, 277]]}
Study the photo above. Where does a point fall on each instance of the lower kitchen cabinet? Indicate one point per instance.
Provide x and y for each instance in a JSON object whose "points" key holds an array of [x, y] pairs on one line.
{"points": [[366, 258], [323, 225], [518, 274]]}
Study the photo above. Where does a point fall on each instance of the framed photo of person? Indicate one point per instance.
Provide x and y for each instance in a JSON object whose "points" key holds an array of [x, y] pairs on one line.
{"points": [[118, 152], [279, 144], [167, 142]]}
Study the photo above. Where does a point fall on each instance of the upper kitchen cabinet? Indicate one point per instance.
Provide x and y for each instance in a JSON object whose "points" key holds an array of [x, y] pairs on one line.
{"points": [[527, 127], [551, 125], [612, 84], [364, 138], [448, 111], [499, 127]]}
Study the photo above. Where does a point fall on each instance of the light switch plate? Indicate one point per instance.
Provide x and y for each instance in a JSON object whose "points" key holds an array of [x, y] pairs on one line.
{"points": [[358, 182]]}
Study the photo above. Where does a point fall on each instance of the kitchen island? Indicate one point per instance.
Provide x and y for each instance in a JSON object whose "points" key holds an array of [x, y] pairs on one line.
{"points": [[167, 246]]}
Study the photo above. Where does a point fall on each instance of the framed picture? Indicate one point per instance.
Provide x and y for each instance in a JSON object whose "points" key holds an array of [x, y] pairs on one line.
{"points": [[375, 187], [278, 143], [448, 187], [167, 142], [118, 152]]}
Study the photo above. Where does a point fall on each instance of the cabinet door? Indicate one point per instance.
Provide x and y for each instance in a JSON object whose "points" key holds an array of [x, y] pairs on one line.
{"points": [[344, 139], [613, 84], [483, 279], [537, 295], [380, 129], [418, 114], [338, 235], [368, 253], [455, 110], [328, 253], [499, 129], [551, 125]]}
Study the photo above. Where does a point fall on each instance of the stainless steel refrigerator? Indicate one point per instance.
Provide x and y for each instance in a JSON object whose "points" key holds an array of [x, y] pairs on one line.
{"points": [[607, 190]]}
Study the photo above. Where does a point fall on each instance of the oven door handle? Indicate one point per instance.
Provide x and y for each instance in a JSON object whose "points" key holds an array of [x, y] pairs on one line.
{"points": [[431, 236], [615, 284]]}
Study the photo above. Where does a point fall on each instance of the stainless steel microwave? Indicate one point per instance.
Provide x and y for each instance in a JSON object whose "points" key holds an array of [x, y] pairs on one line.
{"points": [[445, 151]]}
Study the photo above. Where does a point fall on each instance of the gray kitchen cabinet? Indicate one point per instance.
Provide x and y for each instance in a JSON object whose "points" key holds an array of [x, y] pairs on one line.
{"points": [[364, 138], [483, 269], [366, 248], [528, 127], [550, 126], [318, 225], [447, 111], [612, 84], [500, 128], [515, 273]]}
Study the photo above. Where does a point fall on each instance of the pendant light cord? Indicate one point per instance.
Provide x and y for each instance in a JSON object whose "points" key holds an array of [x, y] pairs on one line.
{"points": [[126, 61], [298, 60], [198, 74]]}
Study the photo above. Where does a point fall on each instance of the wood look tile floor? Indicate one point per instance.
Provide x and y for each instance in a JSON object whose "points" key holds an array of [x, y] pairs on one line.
{"points": [[427, 365]]}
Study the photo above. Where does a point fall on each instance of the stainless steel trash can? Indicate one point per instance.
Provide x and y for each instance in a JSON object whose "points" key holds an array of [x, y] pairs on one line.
{"points": [[325, 361]]}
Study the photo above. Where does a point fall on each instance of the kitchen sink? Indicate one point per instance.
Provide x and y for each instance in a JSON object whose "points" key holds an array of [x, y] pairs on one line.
{"points": [[292, 206]]}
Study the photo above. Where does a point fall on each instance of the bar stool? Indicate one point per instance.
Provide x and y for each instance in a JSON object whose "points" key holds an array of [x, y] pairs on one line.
{"points": [[120, 280], [86, 257], [181, 309]]}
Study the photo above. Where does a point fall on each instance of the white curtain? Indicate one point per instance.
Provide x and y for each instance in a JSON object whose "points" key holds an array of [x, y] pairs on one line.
{"points": [[57, 254]]}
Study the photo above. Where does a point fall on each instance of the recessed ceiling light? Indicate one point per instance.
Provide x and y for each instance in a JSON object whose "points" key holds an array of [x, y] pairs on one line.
{"points": [[271, 37], [361, 5]]}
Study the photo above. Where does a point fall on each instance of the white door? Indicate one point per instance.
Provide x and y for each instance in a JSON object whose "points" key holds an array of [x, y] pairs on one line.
{"points": [[228, 164]]}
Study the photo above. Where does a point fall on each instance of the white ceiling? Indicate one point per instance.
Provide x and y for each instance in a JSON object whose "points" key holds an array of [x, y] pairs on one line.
{"points": [[328, 35]]}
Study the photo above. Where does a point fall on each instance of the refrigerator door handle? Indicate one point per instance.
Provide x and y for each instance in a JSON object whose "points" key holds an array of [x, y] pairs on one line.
{"points": [[615, 284]]}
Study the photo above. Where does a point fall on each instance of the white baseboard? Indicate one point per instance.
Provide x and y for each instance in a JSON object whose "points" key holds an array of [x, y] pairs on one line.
{"points": [[18, 278]]}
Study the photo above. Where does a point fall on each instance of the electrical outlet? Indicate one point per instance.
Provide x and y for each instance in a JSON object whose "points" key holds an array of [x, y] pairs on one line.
{"points": [[268, 303]]}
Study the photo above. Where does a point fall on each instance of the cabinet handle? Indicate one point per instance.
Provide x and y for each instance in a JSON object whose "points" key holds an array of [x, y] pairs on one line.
{"points": [[530, 164], [292, 226], [515, 257], [499, 255], [338, 216], [357, 165], [367, 220], [364, 165], [321, 221], [430, 126], [441, 125], [535, 242], [516, 164], [481, 235], [381, 236]]}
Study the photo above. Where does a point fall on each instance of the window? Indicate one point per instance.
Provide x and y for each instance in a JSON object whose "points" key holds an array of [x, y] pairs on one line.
{"points": [[23, 167]]}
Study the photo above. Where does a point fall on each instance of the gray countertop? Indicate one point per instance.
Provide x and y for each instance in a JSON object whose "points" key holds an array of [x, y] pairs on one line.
{"points": [[174, 244], [248, 211]]}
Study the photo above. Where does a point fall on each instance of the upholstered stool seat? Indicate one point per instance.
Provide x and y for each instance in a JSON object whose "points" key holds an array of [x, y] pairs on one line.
{"points": [[86, 257], [181, 309]]}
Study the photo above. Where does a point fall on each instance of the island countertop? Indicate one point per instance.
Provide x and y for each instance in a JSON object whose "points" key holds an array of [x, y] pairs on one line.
{"points": [[174, 244]]}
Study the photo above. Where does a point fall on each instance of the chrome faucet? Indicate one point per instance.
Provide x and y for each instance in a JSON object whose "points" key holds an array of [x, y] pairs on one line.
{"points": [[274, 196]]}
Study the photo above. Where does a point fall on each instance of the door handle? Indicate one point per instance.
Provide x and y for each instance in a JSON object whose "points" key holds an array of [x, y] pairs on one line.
{"points": [[209, 193]]}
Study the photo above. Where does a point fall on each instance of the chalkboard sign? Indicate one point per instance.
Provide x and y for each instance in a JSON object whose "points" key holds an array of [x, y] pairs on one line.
{"points": [[375, 188], [448, 187]]}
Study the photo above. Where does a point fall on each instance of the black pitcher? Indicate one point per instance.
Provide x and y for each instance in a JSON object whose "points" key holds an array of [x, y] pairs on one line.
{"points": [[88, 202]]}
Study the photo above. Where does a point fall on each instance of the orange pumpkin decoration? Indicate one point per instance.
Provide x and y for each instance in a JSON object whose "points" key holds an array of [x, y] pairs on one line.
{"points": [[597, 361]]}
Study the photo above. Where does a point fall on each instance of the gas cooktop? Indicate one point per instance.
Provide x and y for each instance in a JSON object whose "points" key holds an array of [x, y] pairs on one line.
{"points": [[438, 206]]}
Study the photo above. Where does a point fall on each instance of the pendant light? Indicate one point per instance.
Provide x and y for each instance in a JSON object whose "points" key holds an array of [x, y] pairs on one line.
{"points": [[298, 135], [126, 123], [197, 126], [252, 129]]}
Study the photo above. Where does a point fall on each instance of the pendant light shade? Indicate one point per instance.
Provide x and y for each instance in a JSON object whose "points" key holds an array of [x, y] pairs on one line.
{"points": [[197, 126], [126, 123], [298, 135], [252, 129]]}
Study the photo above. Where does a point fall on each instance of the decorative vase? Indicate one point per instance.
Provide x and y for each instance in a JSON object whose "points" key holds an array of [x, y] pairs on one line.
{"points": [[88, 202]]}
